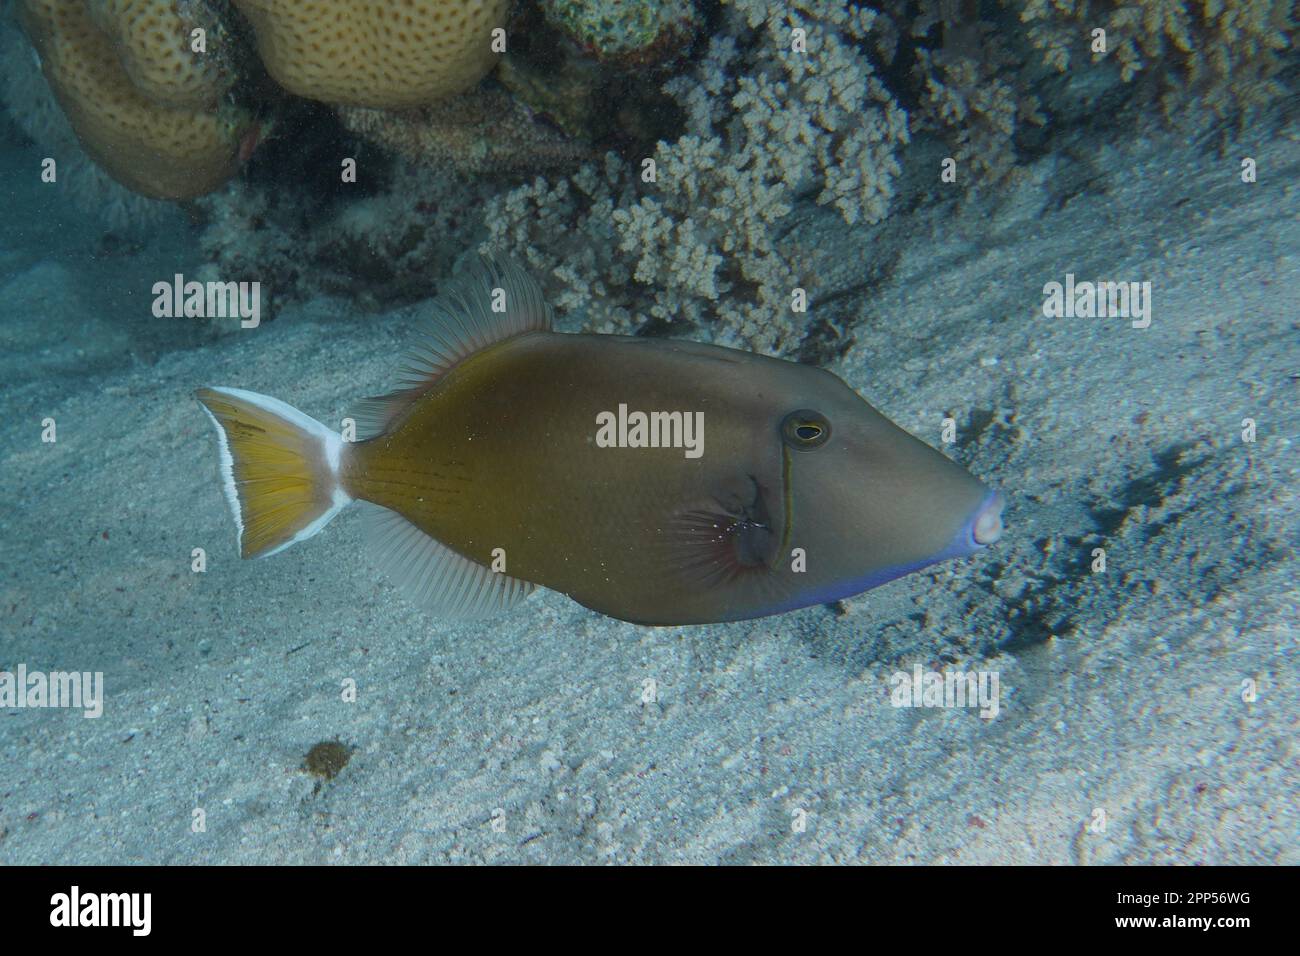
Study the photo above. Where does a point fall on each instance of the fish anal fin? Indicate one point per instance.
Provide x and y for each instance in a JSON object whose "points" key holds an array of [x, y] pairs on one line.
{"points": [[436, 578]]}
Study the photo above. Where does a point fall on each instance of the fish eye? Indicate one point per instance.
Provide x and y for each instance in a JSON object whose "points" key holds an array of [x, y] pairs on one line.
{"points": [[805, 429]]}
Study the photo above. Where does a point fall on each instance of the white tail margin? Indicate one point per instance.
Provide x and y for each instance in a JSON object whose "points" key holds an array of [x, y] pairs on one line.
{"points": [[280, 469]]}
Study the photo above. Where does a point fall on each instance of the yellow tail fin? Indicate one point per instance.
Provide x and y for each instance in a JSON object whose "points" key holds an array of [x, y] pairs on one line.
{"points": [[280, 469]]}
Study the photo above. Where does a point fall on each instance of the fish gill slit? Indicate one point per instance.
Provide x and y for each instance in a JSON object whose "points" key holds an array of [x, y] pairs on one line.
{"points": [[787, 504]]}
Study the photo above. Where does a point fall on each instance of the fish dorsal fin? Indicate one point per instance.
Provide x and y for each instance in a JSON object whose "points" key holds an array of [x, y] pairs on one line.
{"points": [[462, 320], [432, 575]]}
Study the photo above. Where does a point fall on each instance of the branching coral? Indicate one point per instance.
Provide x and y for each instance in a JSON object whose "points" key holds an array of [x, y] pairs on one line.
{"points": [[1221, 54], [384, 54], [793, 113], [972, 89], [977, 72]]}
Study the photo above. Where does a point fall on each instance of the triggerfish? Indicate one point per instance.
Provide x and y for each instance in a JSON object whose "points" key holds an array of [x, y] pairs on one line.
{"points": [[652, 480]]}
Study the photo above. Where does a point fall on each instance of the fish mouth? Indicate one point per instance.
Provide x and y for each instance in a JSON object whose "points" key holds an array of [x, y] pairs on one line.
{"points": [[986, 526], [982, 528]]}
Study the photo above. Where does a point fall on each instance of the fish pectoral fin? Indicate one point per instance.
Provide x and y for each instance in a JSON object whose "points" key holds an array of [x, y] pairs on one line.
{"points": [[731, 534], [433, 576]]}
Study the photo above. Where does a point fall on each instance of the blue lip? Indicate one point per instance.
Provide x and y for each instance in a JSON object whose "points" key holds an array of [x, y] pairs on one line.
{"points": [[965, 542]]}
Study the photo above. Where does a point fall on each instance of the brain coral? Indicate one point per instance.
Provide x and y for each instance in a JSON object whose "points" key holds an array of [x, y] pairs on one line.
{"points": [[153, 43], [386, 54], [151, 148]]}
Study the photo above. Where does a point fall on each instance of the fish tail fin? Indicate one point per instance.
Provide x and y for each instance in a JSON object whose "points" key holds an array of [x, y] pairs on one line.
{"points": [[280, 468]]}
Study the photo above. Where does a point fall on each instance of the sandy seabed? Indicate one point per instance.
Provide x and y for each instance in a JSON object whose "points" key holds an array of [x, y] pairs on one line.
{"points": [[528, 739]]}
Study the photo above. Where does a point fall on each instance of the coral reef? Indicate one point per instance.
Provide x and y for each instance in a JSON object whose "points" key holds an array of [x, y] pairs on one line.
{"points": [[675, 179], [769, 121], [1220, 54], [148, 85], [477, 132], [155, 149], [381, 250], [377, 53], [972, 88], [626, 29], [985, 78], [153, 42], [27, 100], [600, 97]]}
